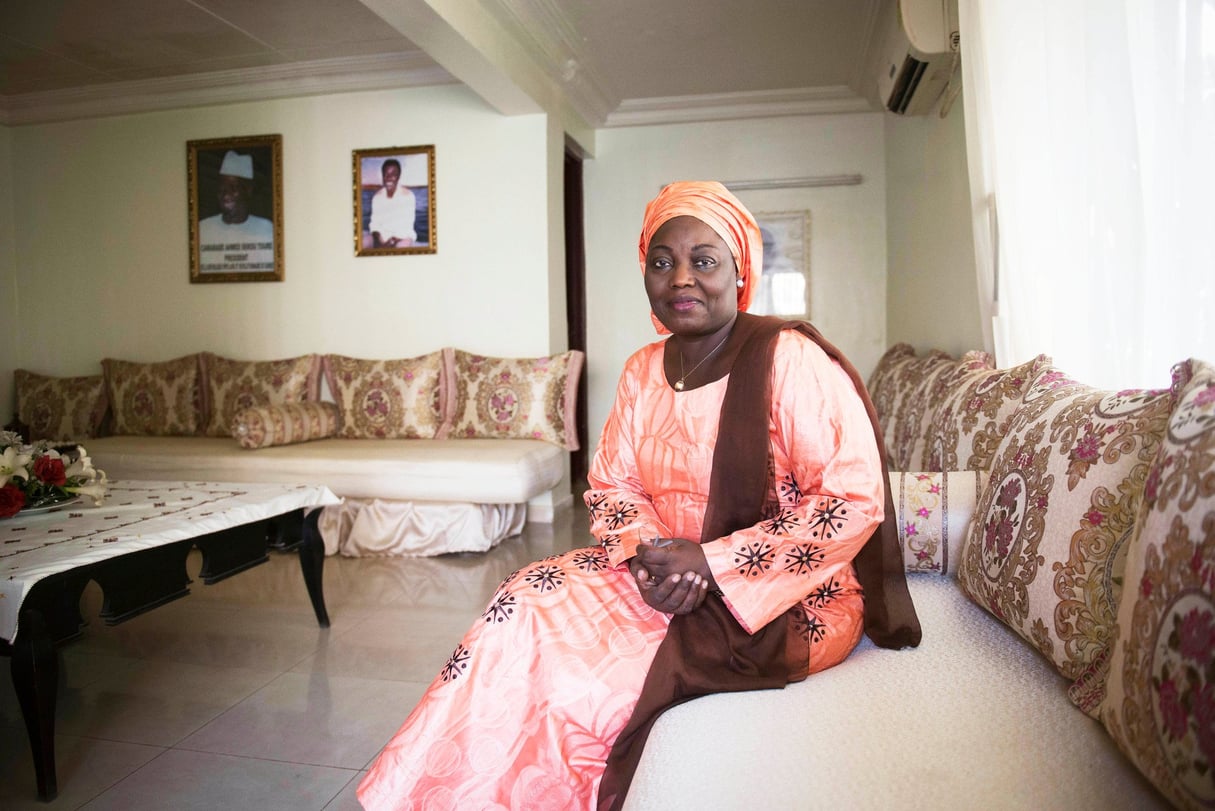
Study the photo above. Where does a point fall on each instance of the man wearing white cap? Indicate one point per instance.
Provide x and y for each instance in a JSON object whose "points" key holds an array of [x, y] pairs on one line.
{"points": [[235, 240]]}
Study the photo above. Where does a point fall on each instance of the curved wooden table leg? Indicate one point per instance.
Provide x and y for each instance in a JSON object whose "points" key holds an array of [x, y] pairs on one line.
{"points": [[35, 669], [312, 562]]}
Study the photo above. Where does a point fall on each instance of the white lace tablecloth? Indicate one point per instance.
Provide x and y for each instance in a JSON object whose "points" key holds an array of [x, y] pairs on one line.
{"points": [[134, 516]]}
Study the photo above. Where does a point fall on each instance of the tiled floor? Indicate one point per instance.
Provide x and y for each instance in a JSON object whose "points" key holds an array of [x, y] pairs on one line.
{"points": [[234, 698]]}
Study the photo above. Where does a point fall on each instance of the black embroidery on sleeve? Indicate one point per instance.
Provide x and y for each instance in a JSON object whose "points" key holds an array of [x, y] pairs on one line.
{"points": [[753, 559], [594, 506], [782, 523], [828, 517], [620, 514], [790, 490], [804, 558]]}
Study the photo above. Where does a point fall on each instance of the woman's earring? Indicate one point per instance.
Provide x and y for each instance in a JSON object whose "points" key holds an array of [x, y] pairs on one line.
{"points": [[739, 283]]}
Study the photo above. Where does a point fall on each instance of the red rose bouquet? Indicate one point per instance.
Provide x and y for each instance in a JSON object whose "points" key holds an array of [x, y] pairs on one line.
{"points": [[42, 474]]}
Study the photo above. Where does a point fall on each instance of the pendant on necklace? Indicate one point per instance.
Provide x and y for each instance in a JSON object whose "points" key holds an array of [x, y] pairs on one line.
{"points": [[678, 385]]}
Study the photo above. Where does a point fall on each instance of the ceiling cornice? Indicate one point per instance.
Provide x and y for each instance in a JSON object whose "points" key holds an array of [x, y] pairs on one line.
{"points": [[347, 74], [728, 106], [544, 31]]}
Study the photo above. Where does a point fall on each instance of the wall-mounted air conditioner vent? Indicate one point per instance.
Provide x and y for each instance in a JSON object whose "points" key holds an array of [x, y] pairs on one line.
{"points": [[920, 41]]}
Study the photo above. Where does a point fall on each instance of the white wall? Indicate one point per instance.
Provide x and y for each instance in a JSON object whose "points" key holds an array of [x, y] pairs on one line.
{"points": [[8, 282], [932, 283], [101, 242], [847, 225]]}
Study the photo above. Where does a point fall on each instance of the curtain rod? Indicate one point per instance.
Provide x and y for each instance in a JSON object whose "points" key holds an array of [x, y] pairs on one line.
{"points": [[794, 182]]}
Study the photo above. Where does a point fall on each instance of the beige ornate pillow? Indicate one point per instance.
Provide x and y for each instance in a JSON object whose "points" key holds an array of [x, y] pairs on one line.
{"points": [[389, 399], [898, 379], [974, 415], [914, 430], [154, 399], [70, 408], [285, 424], [1159, 701], [1047, 550], [934, 512], [521, 398], [231, 386]]}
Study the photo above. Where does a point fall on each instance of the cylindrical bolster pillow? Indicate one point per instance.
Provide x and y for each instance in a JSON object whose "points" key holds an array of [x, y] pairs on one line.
{"points": [[934, 511], [284, 424]]}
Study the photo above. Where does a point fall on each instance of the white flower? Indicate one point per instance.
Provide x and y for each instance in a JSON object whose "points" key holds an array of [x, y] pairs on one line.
{"points": [[13, 464], [82, 465], [94, 489]]}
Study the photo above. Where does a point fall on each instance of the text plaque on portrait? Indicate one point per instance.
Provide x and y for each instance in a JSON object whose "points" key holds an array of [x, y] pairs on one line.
{"points": [[235, 203]]}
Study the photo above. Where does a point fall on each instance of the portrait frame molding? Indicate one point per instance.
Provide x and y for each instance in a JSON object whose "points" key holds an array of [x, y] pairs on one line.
{"points": [[789, 231], [418, 174], [205, 155]]}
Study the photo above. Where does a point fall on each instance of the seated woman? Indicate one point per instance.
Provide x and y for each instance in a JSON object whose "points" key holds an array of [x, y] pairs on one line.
{"points": [[737, 478]]}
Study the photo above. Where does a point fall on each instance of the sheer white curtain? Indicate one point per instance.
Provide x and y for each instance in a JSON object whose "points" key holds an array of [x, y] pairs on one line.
{"points": [[1090, 128]]}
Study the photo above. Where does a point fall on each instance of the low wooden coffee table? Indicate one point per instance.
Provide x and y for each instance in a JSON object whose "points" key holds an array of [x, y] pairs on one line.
{"points": [[134, 546]]}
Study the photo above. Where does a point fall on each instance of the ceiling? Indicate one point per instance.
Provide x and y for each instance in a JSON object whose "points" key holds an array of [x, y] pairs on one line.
{"points": [[614, 61]]}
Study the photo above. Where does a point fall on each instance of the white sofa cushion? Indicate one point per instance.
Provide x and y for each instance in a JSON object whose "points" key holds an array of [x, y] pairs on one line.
{"points": [[972, 718], [480, 471]]}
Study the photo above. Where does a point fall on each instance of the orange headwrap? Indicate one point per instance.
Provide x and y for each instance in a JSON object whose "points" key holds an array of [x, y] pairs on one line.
{"points": [[714, 205]]}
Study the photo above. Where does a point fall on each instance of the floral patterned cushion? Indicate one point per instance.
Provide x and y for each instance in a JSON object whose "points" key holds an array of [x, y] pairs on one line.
{"points": [[974, 415], [884, 385], [935, 511], [389, 399], [284, 424], [522, 398], [55, 408], [154, 399], [915, 428], [1158, 699], [231, 386], [1047, 550]]}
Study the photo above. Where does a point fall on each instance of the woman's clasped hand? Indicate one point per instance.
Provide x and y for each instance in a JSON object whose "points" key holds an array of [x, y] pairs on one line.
{"points": [[672, 575]]}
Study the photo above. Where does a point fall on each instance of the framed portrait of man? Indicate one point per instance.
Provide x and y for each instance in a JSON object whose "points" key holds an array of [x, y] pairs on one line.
{"points": [[236, 209], [394, 200]]}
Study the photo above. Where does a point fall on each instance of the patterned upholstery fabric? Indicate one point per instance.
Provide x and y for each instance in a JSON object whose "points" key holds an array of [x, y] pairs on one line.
{"points": [[1159, 701], [1047, 550], [231, 386], [885, 388], [935, 511], [974, 415], [522, 398], [154, 399], [390, 399], [60, 408], [285, 424]]}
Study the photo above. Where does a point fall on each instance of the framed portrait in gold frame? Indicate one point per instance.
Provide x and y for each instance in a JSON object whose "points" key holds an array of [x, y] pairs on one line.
{"points": [[394, 200], [235, 203]]}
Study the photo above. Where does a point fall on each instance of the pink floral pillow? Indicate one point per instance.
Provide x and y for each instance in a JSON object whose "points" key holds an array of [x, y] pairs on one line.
{"points": [[60, 408], [973, 417], [231, 386], [285, 424], [389, 399], [154, 399], [1154, 690], [935, 511], [1047, 550], [521, 398]]}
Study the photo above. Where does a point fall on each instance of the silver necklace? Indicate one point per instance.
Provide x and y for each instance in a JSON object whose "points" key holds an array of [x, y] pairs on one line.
{"points": [[685, 375]]}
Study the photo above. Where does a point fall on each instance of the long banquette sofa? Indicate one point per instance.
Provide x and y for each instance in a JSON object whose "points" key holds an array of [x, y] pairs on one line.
{"points": [[1060, 548], [444, 452]]}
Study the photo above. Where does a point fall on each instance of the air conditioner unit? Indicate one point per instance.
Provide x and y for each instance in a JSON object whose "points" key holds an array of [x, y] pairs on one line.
{"points": [[918, 55]]}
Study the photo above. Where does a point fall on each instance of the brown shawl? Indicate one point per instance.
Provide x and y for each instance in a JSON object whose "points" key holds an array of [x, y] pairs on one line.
{"points": [[707, 651]]}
